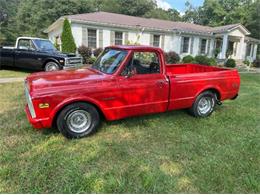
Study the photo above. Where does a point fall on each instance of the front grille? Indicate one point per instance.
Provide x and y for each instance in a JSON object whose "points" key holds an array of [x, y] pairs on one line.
{"points": [[73, 62]]}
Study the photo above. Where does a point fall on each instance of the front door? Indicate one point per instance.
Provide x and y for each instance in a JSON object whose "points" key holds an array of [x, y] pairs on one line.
{"points": [[26, 55], [146, 90]]}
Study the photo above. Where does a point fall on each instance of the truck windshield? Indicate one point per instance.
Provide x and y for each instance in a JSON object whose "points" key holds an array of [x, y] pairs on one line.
{"points": [[109, 60], [44, 45]]}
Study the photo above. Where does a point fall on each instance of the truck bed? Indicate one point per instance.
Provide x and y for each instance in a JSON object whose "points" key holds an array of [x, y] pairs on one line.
{"points": [[180, 69], [187, 81]]}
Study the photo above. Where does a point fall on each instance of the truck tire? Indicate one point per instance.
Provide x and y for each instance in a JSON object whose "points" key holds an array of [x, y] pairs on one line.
{"points": [[78, 120], [204, 104], [51, 66]]}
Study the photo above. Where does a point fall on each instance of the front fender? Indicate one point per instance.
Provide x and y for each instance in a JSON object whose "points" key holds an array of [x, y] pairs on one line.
{"points": [[68, 101]]}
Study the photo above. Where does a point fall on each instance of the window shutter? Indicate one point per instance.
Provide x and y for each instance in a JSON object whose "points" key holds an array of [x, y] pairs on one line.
{"points": [[100, 38], [112, 37], [151, 39], [84, 36], [181, 48], [126, 38], [191, 45], [162, 41]]}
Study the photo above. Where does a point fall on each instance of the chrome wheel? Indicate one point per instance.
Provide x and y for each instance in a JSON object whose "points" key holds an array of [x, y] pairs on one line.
{"points": [[79, 121], [205, 105], [51, 66]]}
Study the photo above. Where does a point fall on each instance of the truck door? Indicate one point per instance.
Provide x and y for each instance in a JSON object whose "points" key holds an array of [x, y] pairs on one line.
{"points": [[26, 55], [146, 89]]}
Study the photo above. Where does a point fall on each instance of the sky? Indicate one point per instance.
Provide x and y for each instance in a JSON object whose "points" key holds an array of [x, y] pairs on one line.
{"points": [[177, 4]]}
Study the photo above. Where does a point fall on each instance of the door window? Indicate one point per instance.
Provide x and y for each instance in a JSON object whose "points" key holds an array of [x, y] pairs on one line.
{"points": [[144, 63]]}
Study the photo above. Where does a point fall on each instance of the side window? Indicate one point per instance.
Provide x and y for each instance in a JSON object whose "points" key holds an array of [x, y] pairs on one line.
{"points": [[25, 44], [145, 63]]}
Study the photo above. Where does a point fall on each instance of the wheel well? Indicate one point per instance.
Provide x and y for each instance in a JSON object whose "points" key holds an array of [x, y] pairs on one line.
{"points": [[215, 91], [50, 60], [101, 114]]}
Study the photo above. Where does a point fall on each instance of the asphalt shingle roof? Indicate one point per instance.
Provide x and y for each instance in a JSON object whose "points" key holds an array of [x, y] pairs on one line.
{"points": [[132, 21]]}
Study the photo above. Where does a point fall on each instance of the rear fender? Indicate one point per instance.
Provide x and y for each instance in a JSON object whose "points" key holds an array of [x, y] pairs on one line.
{"points": [[210, 88]]}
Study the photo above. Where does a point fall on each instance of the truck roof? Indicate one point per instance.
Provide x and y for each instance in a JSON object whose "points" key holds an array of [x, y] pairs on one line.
{"points": [[135, 47], [31, 38]]}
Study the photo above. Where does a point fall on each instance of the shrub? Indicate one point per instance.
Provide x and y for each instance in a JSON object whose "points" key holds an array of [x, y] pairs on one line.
{"points": [[187, 59], [212, 62], [230, 63], [202, 60], [256, 63], [85, 52], [246, 62], [97, 52], [91, 60], [67, 40], [171, 57], [216, 52]]}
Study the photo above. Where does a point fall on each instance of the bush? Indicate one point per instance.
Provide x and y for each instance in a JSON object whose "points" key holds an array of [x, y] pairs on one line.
{"points": [[256, 63], [67, 40], [212, 61], [230, 63], [171, 57], [187, 59], [97, 52], [246, 62], [85, 52], [202, 60], [91, 60]]}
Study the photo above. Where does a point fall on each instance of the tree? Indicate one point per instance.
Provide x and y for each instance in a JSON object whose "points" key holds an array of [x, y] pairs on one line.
{"points": [[170, 14], [67, 40]]}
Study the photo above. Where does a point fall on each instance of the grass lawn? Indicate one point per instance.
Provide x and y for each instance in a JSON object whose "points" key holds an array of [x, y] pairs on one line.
{"points": [[13, 72], [163, 153]]}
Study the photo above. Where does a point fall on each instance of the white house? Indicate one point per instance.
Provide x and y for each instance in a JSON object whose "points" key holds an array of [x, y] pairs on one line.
{"points": [[101, 29]]}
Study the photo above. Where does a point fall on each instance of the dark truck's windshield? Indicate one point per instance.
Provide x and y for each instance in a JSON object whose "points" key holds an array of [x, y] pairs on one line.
{"points": [[109, 60], [44, 45]]}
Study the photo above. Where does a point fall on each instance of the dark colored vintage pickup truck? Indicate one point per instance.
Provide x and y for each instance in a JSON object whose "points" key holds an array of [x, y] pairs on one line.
{"points": [[124, 81], [37, 54]]}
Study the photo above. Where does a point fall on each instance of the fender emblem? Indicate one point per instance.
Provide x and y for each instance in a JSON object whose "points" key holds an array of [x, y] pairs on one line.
{"points": [[44, 105]]}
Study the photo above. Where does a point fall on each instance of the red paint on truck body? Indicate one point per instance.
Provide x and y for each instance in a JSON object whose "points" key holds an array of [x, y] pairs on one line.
{"points": [[116, 96]]}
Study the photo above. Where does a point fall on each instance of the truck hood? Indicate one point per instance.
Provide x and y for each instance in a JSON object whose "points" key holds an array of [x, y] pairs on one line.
{"points": [[58, 53], [47, 82]]}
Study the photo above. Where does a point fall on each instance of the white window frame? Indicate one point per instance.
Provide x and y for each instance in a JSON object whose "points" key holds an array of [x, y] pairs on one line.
{"points": [[182, 44]]}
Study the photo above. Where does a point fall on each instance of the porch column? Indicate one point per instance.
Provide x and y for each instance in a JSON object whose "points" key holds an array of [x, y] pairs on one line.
{"points": [[242, 48], [254, 51], [224, 47]]}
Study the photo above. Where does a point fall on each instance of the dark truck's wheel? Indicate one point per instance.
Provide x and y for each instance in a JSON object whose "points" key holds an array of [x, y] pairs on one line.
{"points": [[78, 120], [204, 104], [51, 66]]}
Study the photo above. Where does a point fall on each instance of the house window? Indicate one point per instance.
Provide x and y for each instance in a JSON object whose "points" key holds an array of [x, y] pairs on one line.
{"points": [[156, 40], [118, 38], [248, 49], [185, 44], [92, 38], [203, 44]]}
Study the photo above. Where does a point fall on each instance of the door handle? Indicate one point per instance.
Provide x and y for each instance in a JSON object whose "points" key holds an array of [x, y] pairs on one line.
{"points": [[160, 83]]}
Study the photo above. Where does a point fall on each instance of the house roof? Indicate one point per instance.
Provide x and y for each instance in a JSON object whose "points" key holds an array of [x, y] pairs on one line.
{"points": [[121, 20], [132, 21]]}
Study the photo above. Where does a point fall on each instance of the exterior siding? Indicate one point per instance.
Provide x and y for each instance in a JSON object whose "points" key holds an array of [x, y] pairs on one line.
{"points": [[170, 41]]}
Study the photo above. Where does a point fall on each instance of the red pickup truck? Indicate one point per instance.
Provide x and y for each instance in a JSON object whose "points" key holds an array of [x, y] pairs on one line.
{"points": [[124, 81]]}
